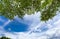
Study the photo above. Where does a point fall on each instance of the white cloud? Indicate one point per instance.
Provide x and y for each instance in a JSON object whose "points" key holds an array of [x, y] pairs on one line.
{"points": [[32, 19], [35, 24]]}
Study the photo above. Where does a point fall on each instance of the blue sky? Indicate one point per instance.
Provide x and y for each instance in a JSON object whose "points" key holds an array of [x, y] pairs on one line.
{"points": [[2, 20], [16, 26], [30, 27], [13, 26]]}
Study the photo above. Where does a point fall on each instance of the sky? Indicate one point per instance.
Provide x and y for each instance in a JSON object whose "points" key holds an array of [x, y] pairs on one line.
{"points": [[30, 27]]}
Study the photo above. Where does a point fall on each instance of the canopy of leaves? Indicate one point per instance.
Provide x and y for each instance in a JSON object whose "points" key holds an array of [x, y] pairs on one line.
{"points": [[11, 8], [4, 37]]}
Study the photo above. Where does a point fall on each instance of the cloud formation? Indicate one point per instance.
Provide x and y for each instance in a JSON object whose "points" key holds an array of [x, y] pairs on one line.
{"points": [[37, 29]]}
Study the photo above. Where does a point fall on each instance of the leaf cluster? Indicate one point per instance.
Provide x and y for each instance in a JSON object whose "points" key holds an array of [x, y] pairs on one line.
{"points": [[11, 8]]}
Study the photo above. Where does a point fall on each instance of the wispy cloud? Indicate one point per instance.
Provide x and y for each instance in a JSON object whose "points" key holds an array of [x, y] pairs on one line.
{"points": [[36, 25]]}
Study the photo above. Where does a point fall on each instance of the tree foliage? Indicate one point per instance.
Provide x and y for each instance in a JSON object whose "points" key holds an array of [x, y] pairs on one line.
{"points": [[3, 37], [11, 8]]}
